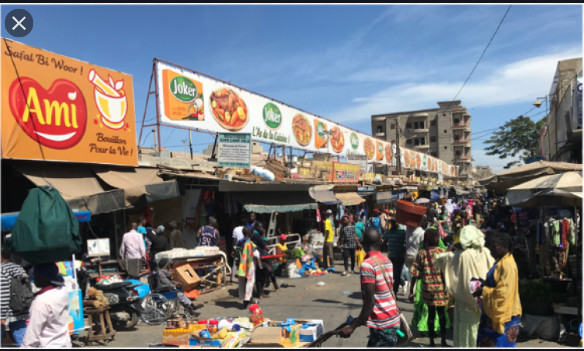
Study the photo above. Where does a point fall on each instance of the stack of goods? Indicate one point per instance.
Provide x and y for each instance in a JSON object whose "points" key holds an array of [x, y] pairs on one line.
{"points": [[223, 333], [95, 299], [290, 333]]}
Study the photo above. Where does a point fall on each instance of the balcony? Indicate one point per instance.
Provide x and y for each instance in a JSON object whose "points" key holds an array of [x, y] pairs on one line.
{"points": [[461, 141], [419, 147], [417, 131], [462, 159], [461, 125]]}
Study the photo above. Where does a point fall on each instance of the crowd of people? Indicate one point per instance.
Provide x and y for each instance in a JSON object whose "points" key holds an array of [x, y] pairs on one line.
{"points": [[454, 244], [459, 257]]}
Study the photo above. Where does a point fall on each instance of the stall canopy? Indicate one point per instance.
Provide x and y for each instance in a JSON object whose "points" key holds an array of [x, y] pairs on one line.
{"points": [[553, 197], [138, 182], [281, 201], [350, 199], [568, 183], [77, 185], [505, 180], [323, 194]]}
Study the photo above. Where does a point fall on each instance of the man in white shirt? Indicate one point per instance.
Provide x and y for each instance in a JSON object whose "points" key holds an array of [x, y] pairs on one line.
{"points": [[414, 236], [49, 312], [133, 245]]}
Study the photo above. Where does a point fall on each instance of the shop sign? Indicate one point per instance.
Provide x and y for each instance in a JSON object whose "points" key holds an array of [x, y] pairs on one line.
{"points": [[191, 99], [234, 150], [365, 189], [61, 109], [345, 173]]}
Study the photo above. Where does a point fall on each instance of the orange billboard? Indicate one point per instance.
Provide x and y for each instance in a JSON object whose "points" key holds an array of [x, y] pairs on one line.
{"points": [[62, 109]]}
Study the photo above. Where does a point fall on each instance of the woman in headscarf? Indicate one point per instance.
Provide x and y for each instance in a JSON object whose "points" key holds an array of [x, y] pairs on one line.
{"points": [[247, 267], [459, 267], [433, 290], [501, 305]]}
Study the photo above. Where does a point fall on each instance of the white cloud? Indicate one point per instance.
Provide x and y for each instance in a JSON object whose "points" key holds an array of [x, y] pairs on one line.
{"points": [[515, 82]]}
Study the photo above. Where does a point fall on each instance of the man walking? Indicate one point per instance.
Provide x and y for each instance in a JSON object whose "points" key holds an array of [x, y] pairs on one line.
{"points": [[349, 242], [379, 311], [414, 236], [395, 240], [209, 235], [329, 238], [14, 320], [133, 245]]}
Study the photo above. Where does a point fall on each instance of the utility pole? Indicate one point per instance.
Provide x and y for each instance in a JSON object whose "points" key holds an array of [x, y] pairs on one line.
{"points": [[191, 144], [154, 135], [398, 148], [185, 145]]}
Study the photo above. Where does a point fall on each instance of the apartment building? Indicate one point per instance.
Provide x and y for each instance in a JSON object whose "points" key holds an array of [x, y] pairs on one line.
{"points": [[442, 132]]}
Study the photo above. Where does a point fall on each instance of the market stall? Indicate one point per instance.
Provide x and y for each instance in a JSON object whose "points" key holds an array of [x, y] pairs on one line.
{"points": [[252, 331]]}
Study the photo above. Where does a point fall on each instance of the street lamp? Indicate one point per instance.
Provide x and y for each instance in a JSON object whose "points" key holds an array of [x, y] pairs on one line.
{"points": [[537, 104]]}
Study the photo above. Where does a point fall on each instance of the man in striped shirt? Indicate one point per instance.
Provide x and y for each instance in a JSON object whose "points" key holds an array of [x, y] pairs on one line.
{"points": [[379, 311], [15, 323]]}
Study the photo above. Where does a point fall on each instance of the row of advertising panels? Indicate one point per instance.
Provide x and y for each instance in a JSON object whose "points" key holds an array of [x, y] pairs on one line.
{"points": [[62, 109]]}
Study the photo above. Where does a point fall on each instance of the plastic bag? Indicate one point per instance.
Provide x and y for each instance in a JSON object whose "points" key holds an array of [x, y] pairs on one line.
{"points": [[359, 257]]}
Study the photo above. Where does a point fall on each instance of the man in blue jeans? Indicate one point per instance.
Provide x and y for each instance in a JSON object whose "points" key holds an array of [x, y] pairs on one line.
{"points": [[16, 322], [379, 311]]}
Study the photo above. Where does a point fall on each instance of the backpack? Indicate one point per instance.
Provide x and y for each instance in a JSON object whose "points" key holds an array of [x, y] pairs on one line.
{"points": [[46, 229], [21, 295]]}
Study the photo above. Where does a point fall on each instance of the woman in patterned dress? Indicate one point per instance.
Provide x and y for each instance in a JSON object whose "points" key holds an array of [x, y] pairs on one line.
{"points": [[433, 288]]}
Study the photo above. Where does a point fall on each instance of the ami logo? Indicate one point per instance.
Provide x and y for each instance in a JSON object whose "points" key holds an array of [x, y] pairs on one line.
{"points": [[54, 117]]}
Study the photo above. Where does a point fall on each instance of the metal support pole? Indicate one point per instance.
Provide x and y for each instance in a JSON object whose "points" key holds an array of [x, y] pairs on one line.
{"points": [[191, 144]]}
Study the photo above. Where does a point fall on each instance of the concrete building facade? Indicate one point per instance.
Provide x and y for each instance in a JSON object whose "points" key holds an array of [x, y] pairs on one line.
{"points": [[442, 132], [561, 138]]}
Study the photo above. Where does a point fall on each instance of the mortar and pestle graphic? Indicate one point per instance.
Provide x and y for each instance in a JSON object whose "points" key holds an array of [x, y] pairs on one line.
{"points": [[111, 104]]}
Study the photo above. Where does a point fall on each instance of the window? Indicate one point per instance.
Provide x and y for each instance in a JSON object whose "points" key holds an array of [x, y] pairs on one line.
{"points": [[446, 148], [423, 141], [416, 141], [458, 153], [416, 125], [433, 123], [432, 139], [408, 125], [456, 121], [445, 131], [409, 142], [392, 126], [379, 129]]}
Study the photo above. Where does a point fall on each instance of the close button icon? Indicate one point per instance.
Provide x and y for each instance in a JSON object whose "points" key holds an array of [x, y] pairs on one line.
{"points": [[18, 23]]}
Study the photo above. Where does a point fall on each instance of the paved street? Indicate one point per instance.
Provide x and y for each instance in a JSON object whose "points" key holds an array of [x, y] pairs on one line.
{"points": [[303, 299]]}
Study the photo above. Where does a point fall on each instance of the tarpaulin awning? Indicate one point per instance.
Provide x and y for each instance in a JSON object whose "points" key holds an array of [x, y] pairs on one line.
{"points": [[8, 219], [77, 185], [350, 199], [323, 194], [138, 182], [567, 182], [282, 201], [505, 180]]}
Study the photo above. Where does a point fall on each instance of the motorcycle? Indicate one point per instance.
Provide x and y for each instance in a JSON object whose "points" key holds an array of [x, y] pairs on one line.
{"points": [[125, 299]]}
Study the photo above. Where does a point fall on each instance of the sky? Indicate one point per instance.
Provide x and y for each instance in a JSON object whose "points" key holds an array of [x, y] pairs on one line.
{"points": [[342, 62]]}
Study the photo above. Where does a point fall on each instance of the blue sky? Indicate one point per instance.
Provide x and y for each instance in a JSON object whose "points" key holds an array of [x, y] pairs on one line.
{"points": [[342, 62]]}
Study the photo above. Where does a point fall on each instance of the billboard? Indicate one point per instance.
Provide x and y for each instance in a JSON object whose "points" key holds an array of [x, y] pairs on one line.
{"points": [[191, 99], [61, 109]]}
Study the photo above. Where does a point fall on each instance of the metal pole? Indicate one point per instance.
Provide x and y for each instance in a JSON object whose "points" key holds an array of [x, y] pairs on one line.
{"points": [[157, 108], [191, 144], [154, 136], [398, 147], [147, 99]]}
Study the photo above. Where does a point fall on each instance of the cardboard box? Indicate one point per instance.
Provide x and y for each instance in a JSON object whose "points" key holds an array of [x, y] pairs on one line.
{"points": [[311, 330], [266, 337], [187, 276]]}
